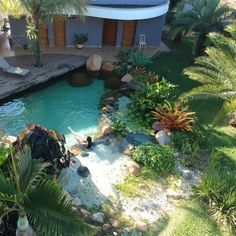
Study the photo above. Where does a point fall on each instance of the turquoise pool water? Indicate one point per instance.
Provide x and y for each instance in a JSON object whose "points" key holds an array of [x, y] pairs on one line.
{"points": [[55, 107]]}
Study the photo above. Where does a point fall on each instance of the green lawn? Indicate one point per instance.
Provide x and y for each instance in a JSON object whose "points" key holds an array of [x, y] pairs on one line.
{"points": [[191, 218], [170, 66]]}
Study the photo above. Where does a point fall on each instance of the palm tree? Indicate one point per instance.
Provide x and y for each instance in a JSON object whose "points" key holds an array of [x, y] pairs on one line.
{"points": [[217, 72], [37, 200], [37, 12], [204, 17]]}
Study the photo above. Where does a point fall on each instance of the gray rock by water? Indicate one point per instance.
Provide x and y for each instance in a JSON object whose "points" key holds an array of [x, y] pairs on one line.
{"points": [[76, 202], [98, 217]]}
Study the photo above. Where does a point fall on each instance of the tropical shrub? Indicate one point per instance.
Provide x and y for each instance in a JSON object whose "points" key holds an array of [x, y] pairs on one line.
{"points": [[217, 72], [174, 116], [140, 58], [123, 61], [148, 97], [206, 16], [119, 128], [160, 158], [37, 200], [218, 188], [188, 144]]}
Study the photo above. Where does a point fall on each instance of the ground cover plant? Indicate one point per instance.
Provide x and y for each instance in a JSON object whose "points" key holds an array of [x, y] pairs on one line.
{"points": [[160, 158], [218, 188]]}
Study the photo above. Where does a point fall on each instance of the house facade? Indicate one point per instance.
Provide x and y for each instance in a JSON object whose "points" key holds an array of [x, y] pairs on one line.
{"points": [[107, 23]]}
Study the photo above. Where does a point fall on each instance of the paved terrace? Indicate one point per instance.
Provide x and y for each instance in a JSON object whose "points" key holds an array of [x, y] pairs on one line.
{"points": [[57, 61], [54, 66]]}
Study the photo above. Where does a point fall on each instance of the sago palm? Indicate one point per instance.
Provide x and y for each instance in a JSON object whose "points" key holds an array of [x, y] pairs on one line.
{"points": [[217, 72], [38, 200], [37, 12], [204, 17]]}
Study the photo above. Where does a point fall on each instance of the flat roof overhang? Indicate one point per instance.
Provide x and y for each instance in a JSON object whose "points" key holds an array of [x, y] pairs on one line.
{"points": [[139, 13]]}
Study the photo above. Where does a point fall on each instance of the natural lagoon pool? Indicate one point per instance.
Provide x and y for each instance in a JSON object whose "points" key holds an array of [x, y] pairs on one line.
{"points": [[55, 107]]}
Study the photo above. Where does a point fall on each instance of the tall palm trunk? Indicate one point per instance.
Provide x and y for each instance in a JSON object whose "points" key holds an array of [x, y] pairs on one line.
{"points": [[199, 47], [36, 43]]}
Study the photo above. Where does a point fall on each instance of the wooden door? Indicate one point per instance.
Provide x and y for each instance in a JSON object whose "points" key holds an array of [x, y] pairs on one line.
{"points": [[129, 31], [59, 25], [43, 34], [109, 32]]}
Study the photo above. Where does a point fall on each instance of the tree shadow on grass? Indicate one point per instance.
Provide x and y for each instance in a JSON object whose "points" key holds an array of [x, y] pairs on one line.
{"points": [[217, 138]]}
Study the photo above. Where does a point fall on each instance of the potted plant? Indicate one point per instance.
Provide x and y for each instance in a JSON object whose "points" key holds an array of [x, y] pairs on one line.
{"points": [[80, 39]]}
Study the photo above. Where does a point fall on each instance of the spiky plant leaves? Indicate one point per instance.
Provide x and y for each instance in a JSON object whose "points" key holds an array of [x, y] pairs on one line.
{"points": [[174, 117], [30, 171], [50, 213], [28, 190]]}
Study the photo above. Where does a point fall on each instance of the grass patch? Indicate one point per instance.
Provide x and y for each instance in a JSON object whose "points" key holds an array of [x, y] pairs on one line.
{"points": [[191, 218], [171, 66], [132, 186]]}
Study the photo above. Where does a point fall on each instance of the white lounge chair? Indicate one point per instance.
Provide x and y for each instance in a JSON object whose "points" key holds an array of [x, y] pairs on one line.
{"points": [[6, 68]]}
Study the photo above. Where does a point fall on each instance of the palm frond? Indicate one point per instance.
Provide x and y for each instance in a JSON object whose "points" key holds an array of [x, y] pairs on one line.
{"points": [[207, 91], [7, 186], [227, 110], [29, 170], [51, 214]]}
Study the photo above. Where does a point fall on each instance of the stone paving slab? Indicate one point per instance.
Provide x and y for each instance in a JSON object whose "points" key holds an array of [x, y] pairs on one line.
{"points": [[54, 66]]}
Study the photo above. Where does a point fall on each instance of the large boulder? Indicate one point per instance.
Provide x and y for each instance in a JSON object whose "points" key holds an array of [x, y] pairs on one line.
{"points": [[141, 226], [80, 79], [45, 144], [107, 69], [112, 82], [106, 129], [93, 65]]}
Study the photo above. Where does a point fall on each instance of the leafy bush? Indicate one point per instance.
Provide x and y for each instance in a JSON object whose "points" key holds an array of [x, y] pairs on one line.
{"points": [[140, 59], [123, 61], [148, 97], [218, 188], [174, 116], [157, 157], [188, 144], [119, 128], [127, 58]]}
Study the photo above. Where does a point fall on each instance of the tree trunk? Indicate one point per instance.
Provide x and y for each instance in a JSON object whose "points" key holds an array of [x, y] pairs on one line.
{"points": [[36, 44], [23, 227], [178, 38], [199, 46]]}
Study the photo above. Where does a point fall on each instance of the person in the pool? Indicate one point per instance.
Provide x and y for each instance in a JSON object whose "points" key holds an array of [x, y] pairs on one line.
{"points": [[84, 143]]}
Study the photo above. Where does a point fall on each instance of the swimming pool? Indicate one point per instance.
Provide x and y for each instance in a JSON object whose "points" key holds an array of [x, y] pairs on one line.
{"points": [[55, 107]]}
